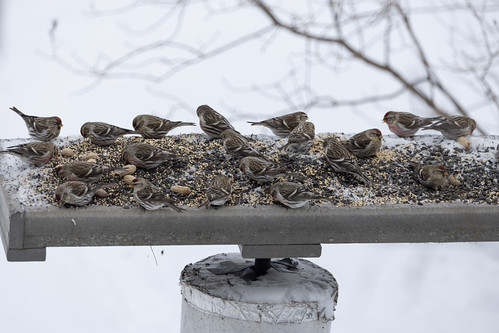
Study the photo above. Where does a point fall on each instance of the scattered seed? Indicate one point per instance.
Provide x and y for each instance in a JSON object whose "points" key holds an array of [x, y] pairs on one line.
{"points": [[89, 155], [68, 152], [180, 189], [101, 193], [128, 179]]}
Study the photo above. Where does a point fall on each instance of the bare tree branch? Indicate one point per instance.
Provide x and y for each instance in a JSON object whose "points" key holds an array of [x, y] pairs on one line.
{"points": [[358, 54], [335, 36]]}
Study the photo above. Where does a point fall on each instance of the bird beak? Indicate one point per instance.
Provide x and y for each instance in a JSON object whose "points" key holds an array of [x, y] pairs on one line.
{"points": [[383, 121]]}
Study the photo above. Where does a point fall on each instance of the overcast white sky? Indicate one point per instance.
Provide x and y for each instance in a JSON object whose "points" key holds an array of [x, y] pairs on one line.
{"points": [[383, 288]]}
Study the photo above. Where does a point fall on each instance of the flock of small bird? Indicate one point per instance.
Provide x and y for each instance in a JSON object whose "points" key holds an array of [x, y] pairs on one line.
{"points": [[81, 177]]}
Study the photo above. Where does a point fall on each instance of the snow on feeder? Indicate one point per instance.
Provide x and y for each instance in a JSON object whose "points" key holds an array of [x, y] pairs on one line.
{"points": [[223, 293]]}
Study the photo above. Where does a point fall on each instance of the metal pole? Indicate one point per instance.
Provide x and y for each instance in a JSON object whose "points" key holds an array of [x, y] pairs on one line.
{"points": [[226, 293]]}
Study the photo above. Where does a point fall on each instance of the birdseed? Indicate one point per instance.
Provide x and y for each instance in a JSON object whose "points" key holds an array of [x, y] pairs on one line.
{"points": [[393, 179]]}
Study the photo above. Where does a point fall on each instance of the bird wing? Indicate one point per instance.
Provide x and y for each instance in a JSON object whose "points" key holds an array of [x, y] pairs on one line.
{"points": [[25, 150], [359, 140], [81, 189]]}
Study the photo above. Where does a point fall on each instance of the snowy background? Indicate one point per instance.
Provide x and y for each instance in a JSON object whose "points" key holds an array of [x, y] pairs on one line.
{"points": [[383, 288]]}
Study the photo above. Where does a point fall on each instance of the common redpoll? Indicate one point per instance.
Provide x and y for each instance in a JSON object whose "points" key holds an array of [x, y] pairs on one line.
{"points": [[212, 122], [41, 128], [103, 134], [152, 127], [76, 193], [146, 156], [236, 144], [37, 153], [83, 171], [341, 160], [301, 138], [292, 195], [453, 127], [405, 123], [432, 176], [282, 125], [149, 197], [218, 192], [260, 169], [366, 143]]}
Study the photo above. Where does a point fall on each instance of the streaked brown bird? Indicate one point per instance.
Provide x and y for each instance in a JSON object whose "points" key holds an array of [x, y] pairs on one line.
{"points": [[76, 193], [149, 197], [236, 144], [292, 195], [341, 160], [103, 134], [41, 128], [365, 144], [405, 123], [219, 192], [301, 138], [37, 153], [432, 176], [259, 169], [153, 127], [453, 127], [146, 156], [212, 122], [83, 171], [283, 125]]}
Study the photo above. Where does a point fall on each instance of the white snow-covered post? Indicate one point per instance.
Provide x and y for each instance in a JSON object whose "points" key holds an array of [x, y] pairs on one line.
{"points": [[225, 293]]}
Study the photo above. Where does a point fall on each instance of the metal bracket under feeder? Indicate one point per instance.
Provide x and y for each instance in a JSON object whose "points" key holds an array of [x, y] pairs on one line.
{"points": [[281, 251]]}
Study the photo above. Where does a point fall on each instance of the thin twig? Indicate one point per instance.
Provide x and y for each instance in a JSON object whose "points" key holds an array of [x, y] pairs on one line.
{"points": [[154, 255]]}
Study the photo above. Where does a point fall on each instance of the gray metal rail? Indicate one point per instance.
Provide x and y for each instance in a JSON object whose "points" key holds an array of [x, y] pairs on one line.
{"points": [[265, 231]]}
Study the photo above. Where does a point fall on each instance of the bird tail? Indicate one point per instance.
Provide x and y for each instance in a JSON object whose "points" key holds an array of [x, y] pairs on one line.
{"points": [[431, 123], [435, 118], [16, 110], [362, 178], [205, 204], [253, 123], [186, 123], [178, 209], [322, 197], [106, 185], [117, 169], [278, 172], [129, 131]]}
